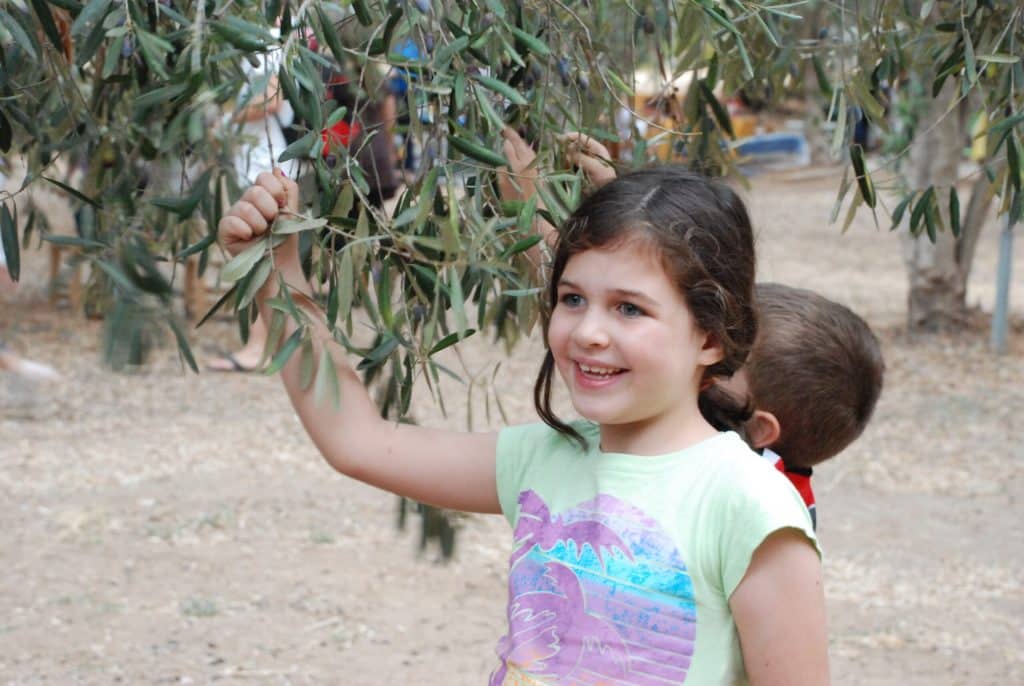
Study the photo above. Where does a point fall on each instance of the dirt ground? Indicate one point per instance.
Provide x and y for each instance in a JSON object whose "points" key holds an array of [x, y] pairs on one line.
{"points": [[160, 527]]}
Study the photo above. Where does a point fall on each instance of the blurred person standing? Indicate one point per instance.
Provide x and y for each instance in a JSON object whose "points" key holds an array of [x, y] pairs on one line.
{"points": [[9, 360], [366, 130], [262, 118]]}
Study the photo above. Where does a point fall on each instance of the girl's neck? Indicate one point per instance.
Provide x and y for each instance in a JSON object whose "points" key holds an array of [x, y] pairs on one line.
{"points": [[649, 438]]}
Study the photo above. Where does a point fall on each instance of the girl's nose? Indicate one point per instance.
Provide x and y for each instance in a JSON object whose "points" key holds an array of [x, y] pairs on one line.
{"points": [[590, 331]]}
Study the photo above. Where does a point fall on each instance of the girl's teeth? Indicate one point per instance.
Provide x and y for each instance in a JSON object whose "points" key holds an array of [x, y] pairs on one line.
{"points": [[598, 371]]}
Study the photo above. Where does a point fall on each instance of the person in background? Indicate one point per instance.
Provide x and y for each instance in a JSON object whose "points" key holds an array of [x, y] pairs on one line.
{"points": [[9, 360], [813, 379], [261, 119], [367, 129]]}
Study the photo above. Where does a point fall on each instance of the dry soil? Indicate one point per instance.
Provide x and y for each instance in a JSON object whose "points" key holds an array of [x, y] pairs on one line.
{"points": [[159, 527]]}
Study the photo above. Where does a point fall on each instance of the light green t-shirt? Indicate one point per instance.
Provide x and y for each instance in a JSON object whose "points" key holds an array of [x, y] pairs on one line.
{"points": [[623, 565]]}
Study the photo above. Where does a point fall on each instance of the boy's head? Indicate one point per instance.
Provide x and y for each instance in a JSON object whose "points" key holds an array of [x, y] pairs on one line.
{"points": [[813, 376]]}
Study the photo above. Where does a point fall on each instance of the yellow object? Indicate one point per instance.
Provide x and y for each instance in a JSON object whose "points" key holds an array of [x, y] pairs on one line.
{"points": [[979, 137], [744, 125]]}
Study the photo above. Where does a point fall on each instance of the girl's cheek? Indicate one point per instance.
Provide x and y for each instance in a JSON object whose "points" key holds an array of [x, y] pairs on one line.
{"points": [[557, 331]]}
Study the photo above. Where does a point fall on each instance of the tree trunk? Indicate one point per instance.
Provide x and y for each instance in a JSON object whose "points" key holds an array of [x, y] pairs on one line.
{"points": [[818, 138], [982, 194], [938, 283]]}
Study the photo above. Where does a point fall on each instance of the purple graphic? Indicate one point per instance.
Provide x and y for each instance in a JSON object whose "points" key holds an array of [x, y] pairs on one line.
{"points": [[597, 594], [536, 527]]}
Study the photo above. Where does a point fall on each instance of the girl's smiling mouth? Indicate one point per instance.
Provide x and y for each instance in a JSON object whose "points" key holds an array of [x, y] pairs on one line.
{"points": [[594, 375]]}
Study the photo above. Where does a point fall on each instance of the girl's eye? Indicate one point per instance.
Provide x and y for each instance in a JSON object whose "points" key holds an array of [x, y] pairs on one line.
{"points": [[630, 310], [571, 300]]}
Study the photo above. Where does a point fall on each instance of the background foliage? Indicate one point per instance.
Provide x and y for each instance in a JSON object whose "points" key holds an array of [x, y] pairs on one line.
{"points": [[137, 95], [139, 89]]}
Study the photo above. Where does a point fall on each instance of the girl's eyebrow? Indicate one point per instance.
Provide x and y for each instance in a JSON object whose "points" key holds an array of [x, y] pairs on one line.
{"points": [[620, 292], [633, 295]]}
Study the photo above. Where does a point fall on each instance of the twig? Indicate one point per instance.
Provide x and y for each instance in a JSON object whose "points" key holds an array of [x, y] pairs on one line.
{"points": [[331, 621]]}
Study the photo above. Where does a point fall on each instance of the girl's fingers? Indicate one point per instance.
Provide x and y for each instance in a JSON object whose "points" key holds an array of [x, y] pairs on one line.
{"points": [[510, 155], [574, 140], [581, 143], [273, 184], [263, 200], [291, 190], [234, 230], [581, 139], [511, 135], [254, 216], [259, 206], [515, 147]]}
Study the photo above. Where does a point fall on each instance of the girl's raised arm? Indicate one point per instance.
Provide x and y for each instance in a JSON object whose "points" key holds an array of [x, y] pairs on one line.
{"points": [[779, 609], [445, 468]]}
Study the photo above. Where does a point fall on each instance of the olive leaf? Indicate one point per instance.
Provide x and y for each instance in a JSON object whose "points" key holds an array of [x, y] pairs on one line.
{"points": [[243, 262]]}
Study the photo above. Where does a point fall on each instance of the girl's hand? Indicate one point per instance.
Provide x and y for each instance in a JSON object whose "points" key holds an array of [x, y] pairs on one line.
{"points": [[590, 156], [519, 180], [251, 217], [254, 214]]}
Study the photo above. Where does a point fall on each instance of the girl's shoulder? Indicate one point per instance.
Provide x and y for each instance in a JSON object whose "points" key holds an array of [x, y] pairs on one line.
{"points": [[749, 488], [747, 472], [539, 436], [538, 457]]}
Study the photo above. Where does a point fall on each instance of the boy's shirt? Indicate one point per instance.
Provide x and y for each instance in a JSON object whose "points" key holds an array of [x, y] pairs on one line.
{"points": [[800, 477]]}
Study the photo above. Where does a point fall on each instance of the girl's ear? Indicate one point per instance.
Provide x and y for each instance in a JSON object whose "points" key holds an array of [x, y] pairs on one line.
{"points": [[711, 351], [762, 429]]}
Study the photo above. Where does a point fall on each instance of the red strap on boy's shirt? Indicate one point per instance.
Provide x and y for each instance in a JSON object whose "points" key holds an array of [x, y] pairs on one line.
{"points": [[800, 478]]}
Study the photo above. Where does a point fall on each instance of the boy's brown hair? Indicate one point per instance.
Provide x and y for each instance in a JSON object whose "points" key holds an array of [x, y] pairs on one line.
{"points": [[817, 367]]}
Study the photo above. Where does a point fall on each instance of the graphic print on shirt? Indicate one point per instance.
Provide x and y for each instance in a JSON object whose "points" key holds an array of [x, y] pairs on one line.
{"points": [[598, 594]]}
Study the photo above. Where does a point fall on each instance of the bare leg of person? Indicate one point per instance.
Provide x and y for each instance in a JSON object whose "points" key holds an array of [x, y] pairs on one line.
{"points": [[247, 358], [12, 362]]}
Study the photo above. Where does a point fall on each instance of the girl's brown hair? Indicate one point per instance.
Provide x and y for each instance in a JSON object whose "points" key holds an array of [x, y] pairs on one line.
{"points": [[700, 229]]}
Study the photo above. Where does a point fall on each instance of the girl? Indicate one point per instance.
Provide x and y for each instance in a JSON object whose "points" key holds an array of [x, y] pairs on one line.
{"points": [[649, 548]]}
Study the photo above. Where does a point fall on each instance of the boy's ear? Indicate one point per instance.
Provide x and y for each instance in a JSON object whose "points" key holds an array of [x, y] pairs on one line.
{"points": [[711, 352], [762, 429]]}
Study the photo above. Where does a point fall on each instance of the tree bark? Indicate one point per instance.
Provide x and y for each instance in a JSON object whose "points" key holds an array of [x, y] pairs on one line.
{"points": [[982, 194], [938, 283]]}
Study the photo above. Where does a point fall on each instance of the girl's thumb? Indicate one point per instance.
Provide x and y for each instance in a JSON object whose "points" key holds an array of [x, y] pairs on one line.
{"points": [[291, 189]]}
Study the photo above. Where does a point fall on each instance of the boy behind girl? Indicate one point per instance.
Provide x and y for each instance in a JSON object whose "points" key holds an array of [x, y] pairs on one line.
{"points": [[812, 380]]}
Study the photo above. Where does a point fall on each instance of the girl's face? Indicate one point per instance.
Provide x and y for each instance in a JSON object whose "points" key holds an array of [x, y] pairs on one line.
{"points": [[628, 348]]}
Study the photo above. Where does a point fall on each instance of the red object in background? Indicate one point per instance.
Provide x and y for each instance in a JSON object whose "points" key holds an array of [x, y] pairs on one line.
{"points": [[343, 133], [340, 135]]}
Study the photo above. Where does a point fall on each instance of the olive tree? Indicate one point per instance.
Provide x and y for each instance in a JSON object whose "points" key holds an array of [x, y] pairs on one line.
{"points": [[939, 76], [139, 95], [143, 90]]}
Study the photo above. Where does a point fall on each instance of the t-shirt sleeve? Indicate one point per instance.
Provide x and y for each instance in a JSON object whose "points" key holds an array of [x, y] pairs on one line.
{"points": [[759, 502], [516, 447]]}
